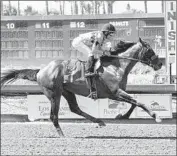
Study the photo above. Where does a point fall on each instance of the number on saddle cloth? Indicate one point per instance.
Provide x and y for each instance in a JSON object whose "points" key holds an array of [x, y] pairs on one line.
{"points": [[75, 71]]}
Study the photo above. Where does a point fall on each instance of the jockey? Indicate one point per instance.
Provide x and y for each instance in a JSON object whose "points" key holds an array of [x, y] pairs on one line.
{"points": [[89, 43]]}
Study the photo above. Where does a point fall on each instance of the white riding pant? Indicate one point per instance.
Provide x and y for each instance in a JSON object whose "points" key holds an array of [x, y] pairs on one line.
{"points": [[81, 47]]}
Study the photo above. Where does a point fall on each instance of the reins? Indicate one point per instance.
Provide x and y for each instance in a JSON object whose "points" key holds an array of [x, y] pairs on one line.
{"points": [[121, 57], [127, 58]]}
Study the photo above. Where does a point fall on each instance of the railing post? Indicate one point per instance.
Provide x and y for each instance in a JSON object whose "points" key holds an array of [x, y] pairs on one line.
{"points": [[31, 40], [66, 39]]}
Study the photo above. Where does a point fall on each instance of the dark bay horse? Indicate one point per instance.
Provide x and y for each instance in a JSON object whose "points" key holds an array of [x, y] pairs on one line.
{"points": [[111, 82]]}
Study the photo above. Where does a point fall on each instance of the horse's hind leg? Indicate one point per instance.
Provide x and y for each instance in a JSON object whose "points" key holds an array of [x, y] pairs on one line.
{"points": [[122, 95], [127, 114], [54, 96], [71, 99]]}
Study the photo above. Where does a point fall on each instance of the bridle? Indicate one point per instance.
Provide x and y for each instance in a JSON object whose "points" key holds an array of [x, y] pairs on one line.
{"points": [[140, 56], [150, 61]]}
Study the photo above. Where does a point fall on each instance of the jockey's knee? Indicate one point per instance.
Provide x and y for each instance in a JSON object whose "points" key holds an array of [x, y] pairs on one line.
{"points": [[90, 54], [81, 47], [75, 42]]}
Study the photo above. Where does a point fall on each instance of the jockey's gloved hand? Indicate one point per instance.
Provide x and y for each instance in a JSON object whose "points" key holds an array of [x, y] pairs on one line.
{"points": [[96, 51], [107, 53]]}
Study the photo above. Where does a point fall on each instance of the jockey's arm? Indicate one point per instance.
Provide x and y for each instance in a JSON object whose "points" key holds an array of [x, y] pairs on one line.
{"points": [[95, 48], [101, 50], [107, 48]]}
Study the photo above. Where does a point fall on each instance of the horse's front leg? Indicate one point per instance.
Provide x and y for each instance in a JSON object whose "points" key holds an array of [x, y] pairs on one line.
{"points": [[123, 96], [127, 114], [73, 105]]}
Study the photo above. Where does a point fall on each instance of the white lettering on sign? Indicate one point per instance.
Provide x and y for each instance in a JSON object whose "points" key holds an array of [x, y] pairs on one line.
{"points": [[45, 25], [77, 24], [80, 24], [120, 23], [171, 30], [73, 24], [44, 111], [10, 25]]}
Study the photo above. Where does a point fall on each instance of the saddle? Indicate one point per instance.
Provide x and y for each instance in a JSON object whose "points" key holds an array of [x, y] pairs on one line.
{"points": [[75, 73]]}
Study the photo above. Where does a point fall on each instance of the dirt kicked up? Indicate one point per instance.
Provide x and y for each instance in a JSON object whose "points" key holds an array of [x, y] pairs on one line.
{"points": [[40, 138]]}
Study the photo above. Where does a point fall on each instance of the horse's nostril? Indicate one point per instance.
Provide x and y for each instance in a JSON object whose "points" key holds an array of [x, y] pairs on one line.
{"points": [[160, 65]]}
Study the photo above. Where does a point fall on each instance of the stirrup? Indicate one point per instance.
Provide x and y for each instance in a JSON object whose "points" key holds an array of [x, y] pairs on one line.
{"points": [[93, 95], [89, 74]]}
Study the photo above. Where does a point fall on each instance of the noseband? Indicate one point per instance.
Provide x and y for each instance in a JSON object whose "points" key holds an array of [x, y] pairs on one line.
{"points": [[150, 61], [140, 56]]}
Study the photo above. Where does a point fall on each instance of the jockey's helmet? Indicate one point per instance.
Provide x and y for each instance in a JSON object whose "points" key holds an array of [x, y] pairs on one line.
{"points": [[108, 28]]}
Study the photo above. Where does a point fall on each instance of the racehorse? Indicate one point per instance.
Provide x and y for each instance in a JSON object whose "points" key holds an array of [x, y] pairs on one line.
{"points": [[111, 80]]}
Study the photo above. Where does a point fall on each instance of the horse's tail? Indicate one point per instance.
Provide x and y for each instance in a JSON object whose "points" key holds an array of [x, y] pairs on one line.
{"points": [[12, 75]]}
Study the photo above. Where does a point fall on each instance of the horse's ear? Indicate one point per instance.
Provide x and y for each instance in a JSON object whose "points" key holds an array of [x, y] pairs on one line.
{"points": [[140, 40]]}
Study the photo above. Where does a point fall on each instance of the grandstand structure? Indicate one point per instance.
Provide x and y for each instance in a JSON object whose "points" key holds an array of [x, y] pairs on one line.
{"points": [[39, 39]]}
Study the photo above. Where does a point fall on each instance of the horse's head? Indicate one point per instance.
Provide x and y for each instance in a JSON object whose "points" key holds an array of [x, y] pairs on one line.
{"points": [[148, 56]]}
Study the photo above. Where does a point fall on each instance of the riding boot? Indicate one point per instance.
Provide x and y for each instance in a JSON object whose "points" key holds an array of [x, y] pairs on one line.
{"points": [[89, 73], [90, 67]]}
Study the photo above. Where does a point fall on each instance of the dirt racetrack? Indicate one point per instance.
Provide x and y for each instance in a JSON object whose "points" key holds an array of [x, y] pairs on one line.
{"points": [[40, 138]]}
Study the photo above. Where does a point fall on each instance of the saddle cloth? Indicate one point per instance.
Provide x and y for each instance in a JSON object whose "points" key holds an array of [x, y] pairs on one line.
{"points": [[75, 70]]}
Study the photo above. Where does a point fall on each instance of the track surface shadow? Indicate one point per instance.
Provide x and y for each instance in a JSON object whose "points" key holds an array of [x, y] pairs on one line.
{"points": [[126, 137], [116, 137]]}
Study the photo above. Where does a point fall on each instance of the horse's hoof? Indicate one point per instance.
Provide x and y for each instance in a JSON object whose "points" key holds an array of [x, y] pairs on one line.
{"points": [[60, 133], [120, 116], [101, 124], [157, 118]]}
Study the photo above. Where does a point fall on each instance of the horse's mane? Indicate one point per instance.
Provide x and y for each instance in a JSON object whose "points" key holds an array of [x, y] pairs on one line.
{"points": [[121, 47]]}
